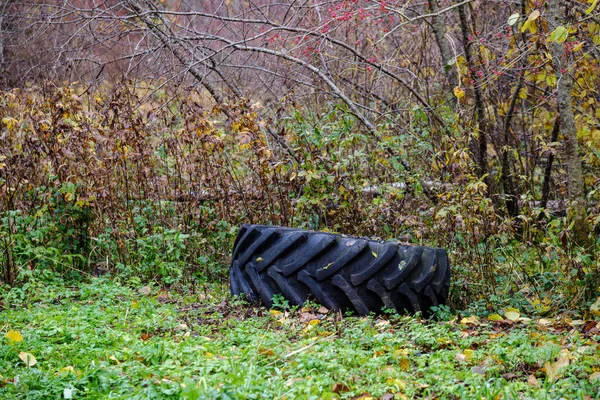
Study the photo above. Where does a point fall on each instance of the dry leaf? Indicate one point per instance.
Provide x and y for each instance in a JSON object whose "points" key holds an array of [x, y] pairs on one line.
{"points": [[595, 308], [145, 290], [339, 387], [460, 357], [553, 370], [594, 377], [305, 317], [266, 352], [404, 364], [472, 320], [512, 314], [396, 382], [28, 359], [14, 336], [532, 380]]}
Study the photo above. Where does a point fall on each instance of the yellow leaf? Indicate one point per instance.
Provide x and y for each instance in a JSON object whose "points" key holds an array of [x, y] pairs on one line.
{"points": [[578, 47], [9, 122], [459, 92], [404, 364], [401, 352], [495, 317], [523, 93], [374, 254], [314, 322], [259, 259], [559, 35], [68, 369], [534, 15], [554, 370], [512, 315], [595, 308], [28, 359], [472, 320], [513, 19], [14, 336], [396, 382], [275, 313], [592, 7], [468, 354]]}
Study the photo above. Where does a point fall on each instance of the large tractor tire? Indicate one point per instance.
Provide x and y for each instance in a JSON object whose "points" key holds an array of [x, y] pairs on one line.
{"points": [[340, 272]]}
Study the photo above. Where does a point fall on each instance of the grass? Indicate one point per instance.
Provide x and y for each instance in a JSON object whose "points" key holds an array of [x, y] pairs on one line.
{"points": [[106, 340]]}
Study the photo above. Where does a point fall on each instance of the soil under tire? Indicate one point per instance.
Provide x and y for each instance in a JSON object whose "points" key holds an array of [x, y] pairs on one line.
{"points": [[337, 271]]}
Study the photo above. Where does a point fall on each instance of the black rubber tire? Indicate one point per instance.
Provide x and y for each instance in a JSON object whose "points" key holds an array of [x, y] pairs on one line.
{"points": [[340, 272]]}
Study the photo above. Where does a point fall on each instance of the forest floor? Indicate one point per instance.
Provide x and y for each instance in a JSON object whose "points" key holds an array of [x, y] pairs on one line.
{"points": [[106, 340]]}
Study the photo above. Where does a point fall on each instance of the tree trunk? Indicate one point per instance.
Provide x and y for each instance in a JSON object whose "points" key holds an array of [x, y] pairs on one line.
{"points": [[447, 56], [479, 148], [576, 212]]}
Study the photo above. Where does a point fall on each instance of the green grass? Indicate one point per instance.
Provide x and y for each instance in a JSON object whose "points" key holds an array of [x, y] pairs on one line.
{"points": [[105, 340]]}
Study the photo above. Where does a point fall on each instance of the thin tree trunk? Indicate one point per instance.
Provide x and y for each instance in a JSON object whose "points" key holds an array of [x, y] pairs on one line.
{"points": [[548, 169], [447, 56], [479, 148], [576, 212]]}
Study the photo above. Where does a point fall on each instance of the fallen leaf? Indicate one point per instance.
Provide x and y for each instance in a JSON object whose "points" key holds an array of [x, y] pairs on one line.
{"points": [[339, 387], [401, 352], [382, 323], [479, 369], [595, 376], [460, 357], [468, 354], [144, 336], [595, 308], [472, 320], [512, 314], [509, 376], [378, 353], [532, 381], [14, 336], [266, 352], [396, 382], [404, 364], [305, 317], [554, 370], [314, 322], [276, 313], [290, 382], [145, 290], [495, 317], [322, 310], [259, 259], [28, 359]]}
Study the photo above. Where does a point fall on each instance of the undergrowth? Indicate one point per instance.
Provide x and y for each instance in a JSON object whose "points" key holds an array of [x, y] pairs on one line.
{"points": [[101, 339]]}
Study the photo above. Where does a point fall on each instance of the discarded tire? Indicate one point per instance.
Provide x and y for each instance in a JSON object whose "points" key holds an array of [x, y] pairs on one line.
{"points": [[340, 272]]}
